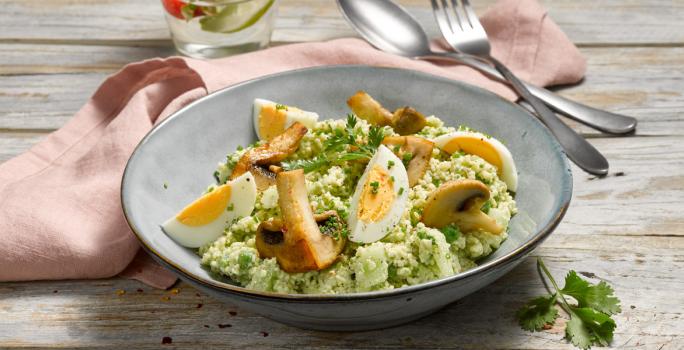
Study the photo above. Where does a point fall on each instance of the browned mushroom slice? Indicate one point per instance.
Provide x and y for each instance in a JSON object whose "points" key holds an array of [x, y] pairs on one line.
{"points": [[365, 107], [297, 242], [414, 150], [259, 159], [459, 202], [407, 121]]}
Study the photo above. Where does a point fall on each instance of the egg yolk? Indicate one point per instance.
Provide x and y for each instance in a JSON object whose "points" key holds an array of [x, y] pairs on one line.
{"points": [[476, 145], [377, 195], [271, 122], [207, 208]]}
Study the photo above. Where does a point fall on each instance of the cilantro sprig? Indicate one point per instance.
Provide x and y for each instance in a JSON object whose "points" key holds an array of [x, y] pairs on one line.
{"points": [[342, 146], [590, 322]]}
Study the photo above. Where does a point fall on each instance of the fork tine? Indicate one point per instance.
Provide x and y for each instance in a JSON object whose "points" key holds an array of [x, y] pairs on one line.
{"points": [[472, 16], [442, 20], [460, 16], [453, 17]]}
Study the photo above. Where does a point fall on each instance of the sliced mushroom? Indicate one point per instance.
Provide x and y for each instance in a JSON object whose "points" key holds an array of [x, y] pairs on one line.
{"points": [[297, 242], [365, 107], [416, 150], [407, 121], [259, 160], [459, 202]]}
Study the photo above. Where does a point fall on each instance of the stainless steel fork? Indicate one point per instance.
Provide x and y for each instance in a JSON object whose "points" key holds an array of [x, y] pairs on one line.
{"points": [[463, 31]]}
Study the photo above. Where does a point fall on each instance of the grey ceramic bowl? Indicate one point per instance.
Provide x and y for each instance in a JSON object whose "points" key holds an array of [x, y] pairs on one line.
{"points": [[184, 150]]}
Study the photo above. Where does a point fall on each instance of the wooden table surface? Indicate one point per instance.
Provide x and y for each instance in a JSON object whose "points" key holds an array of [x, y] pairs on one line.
{"points": [[627, 228]]}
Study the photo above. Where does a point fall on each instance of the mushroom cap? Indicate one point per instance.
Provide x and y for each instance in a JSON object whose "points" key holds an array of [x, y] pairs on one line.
{"points": [[420, 149], [259, 160], [296, 241], [365, 107], [407, 121], [458, 202]]}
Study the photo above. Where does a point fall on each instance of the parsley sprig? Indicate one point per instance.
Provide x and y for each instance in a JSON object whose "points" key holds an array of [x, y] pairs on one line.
{"points": [[590, 322], [342, 146]]}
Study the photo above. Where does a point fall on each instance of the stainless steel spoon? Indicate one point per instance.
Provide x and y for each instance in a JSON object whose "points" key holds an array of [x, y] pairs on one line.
{"points": [[390, 28]]}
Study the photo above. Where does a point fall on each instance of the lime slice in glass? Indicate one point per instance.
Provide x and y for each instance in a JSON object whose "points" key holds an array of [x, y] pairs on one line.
{"points": [[236, 17]]}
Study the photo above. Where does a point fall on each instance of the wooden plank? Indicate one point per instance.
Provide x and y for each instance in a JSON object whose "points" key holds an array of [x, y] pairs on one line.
{"points": [[39, 92], [141, 22], [98, 314]]}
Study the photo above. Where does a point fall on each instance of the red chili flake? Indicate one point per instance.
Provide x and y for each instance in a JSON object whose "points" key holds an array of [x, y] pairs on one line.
{"points": [[54, 291], [140, 290], [547, 326], [167, 340], [199, 306], [232, 313], [224, 325], [206, 326], [265, 334]]}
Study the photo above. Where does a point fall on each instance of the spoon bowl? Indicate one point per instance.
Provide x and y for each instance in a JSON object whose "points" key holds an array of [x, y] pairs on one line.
{"points": [[387, 26]]}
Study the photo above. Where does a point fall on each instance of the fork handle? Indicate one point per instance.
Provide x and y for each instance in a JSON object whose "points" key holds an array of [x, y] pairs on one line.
{"points": [[598, 119], [578, 149]]}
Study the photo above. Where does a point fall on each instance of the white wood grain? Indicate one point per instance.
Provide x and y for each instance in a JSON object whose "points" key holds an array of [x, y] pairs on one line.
{"points": [[141, 22], [93, 314], [635, 81]]}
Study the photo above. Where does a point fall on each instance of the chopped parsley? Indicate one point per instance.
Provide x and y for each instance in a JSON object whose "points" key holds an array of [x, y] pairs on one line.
{"points": [[401, 191], [280, 107], [166, 185], [375, 186], [485, 208], [424, 235], [245, 260], [390, 164], [451, 233], [334, 227], [342, 146], [231, 207], [406, 158]]}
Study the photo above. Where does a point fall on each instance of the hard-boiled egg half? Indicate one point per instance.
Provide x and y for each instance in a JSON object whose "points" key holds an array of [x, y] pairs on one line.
{"points": [[203, 220], [379, 199], [271, 118], [487, 148]]}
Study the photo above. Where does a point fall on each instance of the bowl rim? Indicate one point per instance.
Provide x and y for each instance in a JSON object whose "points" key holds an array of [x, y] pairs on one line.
{"points": [[518, 252]]}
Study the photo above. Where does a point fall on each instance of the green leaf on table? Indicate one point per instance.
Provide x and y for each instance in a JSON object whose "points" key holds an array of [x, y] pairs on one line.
{"points": [[588, 326], [590, 322], [599, 297], [537, 313]]}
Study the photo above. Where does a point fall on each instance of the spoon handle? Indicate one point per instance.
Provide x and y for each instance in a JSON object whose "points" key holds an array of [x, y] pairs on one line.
{"points": [[579, 150], [598, 119]]}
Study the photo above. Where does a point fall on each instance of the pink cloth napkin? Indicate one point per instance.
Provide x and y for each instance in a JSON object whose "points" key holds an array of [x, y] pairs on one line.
{"points": [[60, 214]]}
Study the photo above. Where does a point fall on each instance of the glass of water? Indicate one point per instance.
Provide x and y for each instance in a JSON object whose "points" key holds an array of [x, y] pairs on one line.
{"points": [[217, 28]]}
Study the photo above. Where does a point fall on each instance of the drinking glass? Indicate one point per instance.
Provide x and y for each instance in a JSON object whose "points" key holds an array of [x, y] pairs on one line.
{"points": [[217, 28]]}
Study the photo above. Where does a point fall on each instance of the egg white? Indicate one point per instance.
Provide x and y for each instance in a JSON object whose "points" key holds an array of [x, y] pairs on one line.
{"points": [[242, 198], [368, 232], [509, 174], [292, 114]]}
